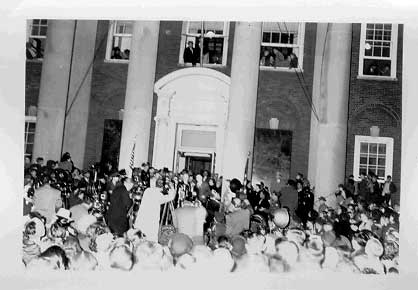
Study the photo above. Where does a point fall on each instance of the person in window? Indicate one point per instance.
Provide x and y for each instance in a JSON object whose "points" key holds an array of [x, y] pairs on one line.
{"points": [[278, 57], [126, 54], [385, 71], [189, 54], [293, 61], [116, 53], [373, 70], [267, 58], [33, 49]]}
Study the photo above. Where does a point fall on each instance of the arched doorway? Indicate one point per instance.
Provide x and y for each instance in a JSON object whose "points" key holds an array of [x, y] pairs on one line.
{"points": [[191, 115]]}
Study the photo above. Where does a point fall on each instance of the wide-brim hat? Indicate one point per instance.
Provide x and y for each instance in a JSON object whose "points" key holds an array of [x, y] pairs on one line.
{"points": [[64, 213]]}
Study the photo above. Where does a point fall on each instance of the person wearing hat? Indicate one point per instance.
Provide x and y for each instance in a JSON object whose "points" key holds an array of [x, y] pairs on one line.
{"points": [[322, 204], [148, 218], [120, 203], [47, 200]]}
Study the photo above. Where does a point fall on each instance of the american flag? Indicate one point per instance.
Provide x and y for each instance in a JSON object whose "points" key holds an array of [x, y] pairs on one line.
{"points": [[132, 159]]}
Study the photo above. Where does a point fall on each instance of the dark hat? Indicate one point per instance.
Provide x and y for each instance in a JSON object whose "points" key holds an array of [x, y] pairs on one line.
{"points": [[322, 198], [122, 172]]}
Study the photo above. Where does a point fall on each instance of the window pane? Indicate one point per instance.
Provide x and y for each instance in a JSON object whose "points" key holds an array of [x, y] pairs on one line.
{"points": [[378, 26], [368, 49], [44, 21], [213, 26], [373, 148], [363, 160], [381, 173], [364, 147], [372, 170], [276, 56], [382, 161], [31, 127], [31, 138], [121, 47], [43, 30], [35, 21], [35, 48], [275, 37], [29, 148], [372, 160], [377, 67], [382, 148], [195, 27], [370, 25], [388, 26], [377, 51], [35, 30], [266, 36], [386, 52], [213, 50]]}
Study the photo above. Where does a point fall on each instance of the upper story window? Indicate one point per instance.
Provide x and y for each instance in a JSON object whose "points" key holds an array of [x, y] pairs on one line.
{"points": [[282, 45], [373, 154], [36, 38], [378, 43], [214, 40], [30, 124], [119, 41]]}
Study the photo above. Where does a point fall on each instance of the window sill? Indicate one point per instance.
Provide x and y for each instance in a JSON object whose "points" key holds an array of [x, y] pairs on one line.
{"points": [[35, 60], [116, 61], [376, 78], [282, 69], [204, 65]]}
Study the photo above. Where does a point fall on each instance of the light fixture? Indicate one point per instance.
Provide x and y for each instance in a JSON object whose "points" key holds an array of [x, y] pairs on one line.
{"points": [[367, 46], [274, 123], [210, 34]]}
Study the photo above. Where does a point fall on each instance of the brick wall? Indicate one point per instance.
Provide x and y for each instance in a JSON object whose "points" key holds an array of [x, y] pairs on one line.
{"points": [[280, 95], [375, 103], [32, 82], [107, 95]]}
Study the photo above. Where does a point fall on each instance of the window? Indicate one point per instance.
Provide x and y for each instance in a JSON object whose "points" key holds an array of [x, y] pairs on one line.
{"points": [[378, 45], [119, 40], [282, 45], [30, 124], [36, 38], [373, 154], [215, 43]]}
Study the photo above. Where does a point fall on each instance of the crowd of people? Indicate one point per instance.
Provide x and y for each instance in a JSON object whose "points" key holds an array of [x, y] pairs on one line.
{"points": [[278, 57], [101, 218]]}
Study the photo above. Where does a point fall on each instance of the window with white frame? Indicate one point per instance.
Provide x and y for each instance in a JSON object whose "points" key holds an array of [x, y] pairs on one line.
{"points": [[282, 45], [214, 40], [30, 125], [36, 38], [119, 40], [378, 43], [373, 154]]}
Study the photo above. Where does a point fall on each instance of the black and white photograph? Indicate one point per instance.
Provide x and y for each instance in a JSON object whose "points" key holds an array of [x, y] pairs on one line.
{"points": [[216, 146]]}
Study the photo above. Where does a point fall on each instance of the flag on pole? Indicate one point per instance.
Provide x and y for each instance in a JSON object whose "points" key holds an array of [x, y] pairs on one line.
{"points": [[132, 159], [246, 169]]}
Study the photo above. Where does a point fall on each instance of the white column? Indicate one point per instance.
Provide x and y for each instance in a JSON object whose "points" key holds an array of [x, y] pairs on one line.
{"points": [[53, 89], [328, 164], [139, 93], [79, 97], [409, 170], [239, 136]]}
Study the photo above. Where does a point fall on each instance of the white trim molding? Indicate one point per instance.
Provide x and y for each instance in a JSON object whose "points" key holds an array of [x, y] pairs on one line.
{"points": [[376, 140]]}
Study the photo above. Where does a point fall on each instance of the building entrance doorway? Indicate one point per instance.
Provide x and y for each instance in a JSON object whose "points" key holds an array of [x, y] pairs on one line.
{"points": [[196, 162]]}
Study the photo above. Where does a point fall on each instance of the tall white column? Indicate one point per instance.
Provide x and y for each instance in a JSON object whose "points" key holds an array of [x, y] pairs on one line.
{"points": [[327, 160], [409, 170], [239, 136], [139, 93], [53, 89], [80, 86]]}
